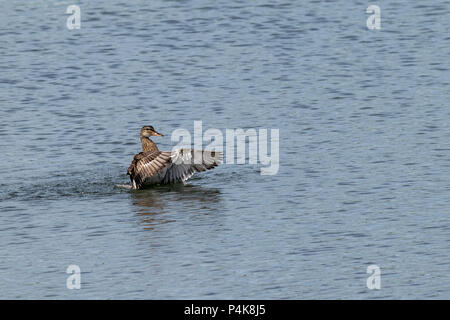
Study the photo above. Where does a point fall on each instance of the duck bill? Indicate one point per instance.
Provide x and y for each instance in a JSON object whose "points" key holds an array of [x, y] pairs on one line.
{"points": [[157, 134]]}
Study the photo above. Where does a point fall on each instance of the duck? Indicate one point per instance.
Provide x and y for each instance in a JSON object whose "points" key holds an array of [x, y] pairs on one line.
{"points": [[154, 167]]}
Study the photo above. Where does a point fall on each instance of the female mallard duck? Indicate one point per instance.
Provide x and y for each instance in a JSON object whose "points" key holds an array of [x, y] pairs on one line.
{"points": [[152, 166]]}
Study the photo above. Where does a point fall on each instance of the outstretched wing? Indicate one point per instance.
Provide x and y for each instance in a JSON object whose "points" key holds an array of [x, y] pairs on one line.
{"points": [[186, 162], [145, 165]]}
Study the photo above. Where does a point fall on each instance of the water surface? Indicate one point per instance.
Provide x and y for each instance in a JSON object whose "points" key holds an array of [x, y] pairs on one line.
{"points": [[364, 149]]}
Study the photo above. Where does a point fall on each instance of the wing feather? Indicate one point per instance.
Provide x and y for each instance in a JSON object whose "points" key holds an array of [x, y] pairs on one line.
{"points": [[145, 165], [186, 162]]}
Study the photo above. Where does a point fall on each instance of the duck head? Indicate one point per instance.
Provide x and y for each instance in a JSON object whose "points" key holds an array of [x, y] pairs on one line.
{"points": [[148, 131]]}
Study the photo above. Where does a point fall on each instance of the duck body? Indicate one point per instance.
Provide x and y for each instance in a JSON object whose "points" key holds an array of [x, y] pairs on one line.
{"points": [[152, 167]]}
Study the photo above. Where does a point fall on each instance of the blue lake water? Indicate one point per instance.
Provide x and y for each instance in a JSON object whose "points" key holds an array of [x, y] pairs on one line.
{"points": [[364, 149]]}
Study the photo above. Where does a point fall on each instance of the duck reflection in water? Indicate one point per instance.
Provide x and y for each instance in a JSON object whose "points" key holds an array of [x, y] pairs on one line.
{"points": [[154, 204]]}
